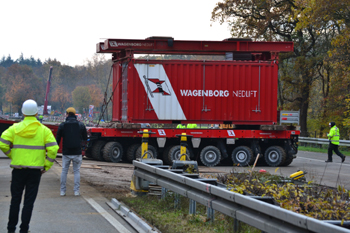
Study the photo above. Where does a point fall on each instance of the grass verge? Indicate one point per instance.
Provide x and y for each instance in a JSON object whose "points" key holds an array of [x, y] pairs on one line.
{"points": [[170, 217]]}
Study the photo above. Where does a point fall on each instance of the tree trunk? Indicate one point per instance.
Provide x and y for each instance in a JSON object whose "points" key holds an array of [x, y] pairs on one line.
{"points": [[303, 117], [304, 104]]}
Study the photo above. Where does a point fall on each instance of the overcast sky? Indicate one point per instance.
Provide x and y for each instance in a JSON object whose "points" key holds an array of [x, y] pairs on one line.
{"points": [[69, 30]]}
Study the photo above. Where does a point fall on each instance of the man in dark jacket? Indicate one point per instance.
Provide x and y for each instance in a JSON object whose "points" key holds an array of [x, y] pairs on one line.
{"points": [[73, 133]]}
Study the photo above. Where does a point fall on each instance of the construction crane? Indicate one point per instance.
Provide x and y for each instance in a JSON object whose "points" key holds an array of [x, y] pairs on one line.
{"points": [[47, 92]]}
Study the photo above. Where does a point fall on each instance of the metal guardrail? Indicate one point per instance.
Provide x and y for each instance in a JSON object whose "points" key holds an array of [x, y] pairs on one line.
{"points": [[261, 215], [322, 141]]}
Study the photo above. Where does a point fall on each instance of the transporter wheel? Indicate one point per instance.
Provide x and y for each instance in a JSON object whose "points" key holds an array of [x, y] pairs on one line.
{"points": [[288, 160], [174, 154], [113, 152], [96, 150], [88, 153], [275, 156], [131, 152], [152, 152], [242, 156], [210, 156], [165, 156]]}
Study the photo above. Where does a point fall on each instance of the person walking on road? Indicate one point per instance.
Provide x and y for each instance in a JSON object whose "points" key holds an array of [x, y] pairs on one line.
{"points": [[333, 137], [30, 142], [73, 133]]}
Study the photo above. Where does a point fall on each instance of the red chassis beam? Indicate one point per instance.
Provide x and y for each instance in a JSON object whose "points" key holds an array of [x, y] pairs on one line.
{"points": [[198, 133], [171, 46]]}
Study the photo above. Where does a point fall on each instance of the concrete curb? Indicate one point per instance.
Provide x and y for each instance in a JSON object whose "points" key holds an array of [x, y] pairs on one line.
{"points": [[138, 223]]}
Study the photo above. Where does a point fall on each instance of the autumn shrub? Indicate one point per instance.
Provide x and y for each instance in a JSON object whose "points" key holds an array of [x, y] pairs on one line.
{"points": [[310, 199]]}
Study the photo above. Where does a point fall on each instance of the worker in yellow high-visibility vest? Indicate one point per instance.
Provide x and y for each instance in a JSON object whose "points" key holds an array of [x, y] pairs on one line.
{"points": [[333, 137], [181, 126], [30, 141], [192, 126], [41, 117]]}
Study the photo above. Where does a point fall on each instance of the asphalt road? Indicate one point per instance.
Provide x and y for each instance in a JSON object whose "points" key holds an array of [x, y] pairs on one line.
{"points": [[55, 214], [318, 171]]}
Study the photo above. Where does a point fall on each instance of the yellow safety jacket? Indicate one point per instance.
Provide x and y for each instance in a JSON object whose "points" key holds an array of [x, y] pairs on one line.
{"points": [[179, 126], [26, 144], [191, 126], [333, 135]]}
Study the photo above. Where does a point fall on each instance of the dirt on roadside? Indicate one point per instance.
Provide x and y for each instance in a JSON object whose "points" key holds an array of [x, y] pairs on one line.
{"points": [[111, 179]]}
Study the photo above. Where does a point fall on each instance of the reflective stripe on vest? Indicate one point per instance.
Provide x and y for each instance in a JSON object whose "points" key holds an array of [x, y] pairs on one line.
{"points": [[51, 160], [30, 167], [5, 141], [34, 147]]}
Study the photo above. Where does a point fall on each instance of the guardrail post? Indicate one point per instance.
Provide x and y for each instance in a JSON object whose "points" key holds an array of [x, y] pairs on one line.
{"points": [[177, 201], [235, 225], [164, 192], [210, 214], [192, 208]]}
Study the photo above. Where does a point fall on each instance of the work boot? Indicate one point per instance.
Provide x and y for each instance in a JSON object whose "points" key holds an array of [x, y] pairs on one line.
{"points": [[328, 161], [343, 159]]}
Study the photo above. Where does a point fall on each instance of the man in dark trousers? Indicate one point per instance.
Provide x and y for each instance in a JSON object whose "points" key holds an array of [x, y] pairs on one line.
{"points": [[333, 137], [32, 148], [73, 133]]}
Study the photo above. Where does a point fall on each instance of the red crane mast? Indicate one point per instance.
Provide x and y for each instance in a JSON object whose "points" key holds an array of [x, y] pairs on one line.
{"points": [[47, 92]]}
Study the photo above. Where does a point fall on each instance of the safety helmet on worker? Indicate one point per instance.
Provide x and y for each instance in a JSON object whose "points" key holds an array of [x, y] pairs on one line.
{"points": [[332, 123], [70, 110], [29, 107]]}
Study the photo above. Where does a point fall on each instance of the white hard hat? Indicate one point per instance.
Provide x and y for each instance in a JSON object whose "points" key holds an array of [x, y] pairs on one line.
{"points": [[29, 108]]}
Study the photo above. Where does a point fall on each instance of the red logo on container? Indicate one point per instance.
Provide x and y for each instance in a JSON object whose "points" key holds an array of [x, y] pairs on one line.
{"points": [[159, 88]]}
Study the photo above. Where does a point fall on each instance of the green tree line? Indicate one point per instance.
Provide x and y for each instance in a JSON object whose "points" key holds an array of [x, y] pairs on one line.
{"points": [[315, 77], [78, 86]]}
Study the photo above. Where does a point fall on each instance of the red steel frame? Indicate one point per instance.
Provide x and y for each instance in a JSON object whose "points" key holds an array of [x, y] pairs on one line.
{"points": [[127, 47], [198, 133]]}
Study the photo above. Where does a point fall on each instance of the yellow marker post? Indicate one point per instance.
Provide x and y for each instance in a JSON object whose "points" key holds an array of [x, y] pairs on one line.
{"points": [[183, 148], [144, 145], [184, 161]]}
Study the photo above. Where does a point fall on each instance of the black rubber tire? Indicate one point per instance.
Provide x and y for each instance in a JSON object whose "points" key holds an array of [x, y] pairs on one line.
{"points": [[174, 154], [242, 156], [96, 150], [275, 156], [152, 152], [165, 156], [113, 152], [88, 153], [210, 156], [288, 160], [131, 152]]}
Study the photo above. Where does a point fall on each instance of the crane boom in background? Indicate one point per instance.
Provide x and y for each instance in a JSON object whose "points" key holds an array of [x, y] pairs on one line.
{"points": [[47, 92]]}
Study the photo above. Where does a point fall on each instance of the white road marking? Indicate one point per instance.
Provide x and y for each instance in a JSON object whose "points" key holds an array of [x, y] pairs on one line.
{"points": [[320, 160], [119, 227]]}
